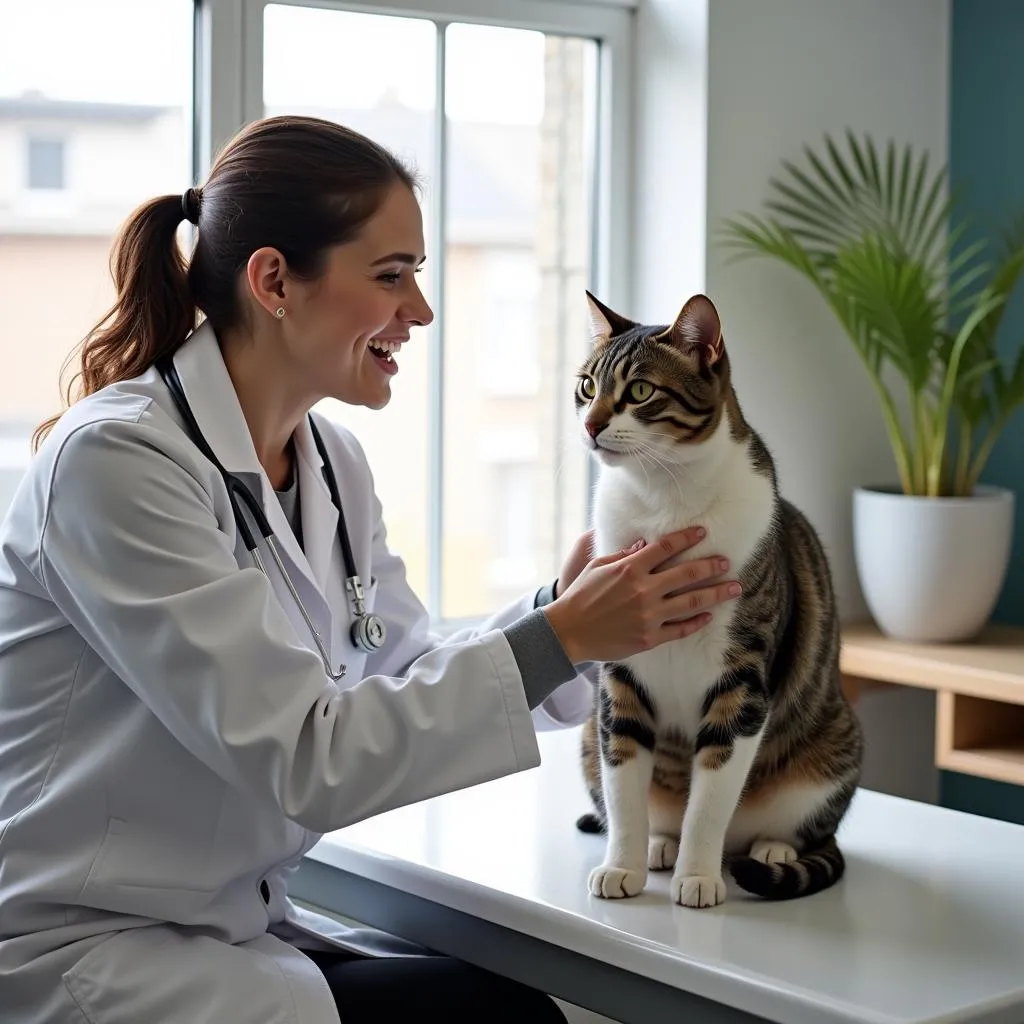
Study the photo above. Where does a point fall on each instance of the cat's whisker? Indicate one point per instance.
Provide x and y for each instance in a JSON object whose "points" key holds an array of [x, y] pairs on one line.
{"points": [[645, 452], [640, 458], [668, 468]]}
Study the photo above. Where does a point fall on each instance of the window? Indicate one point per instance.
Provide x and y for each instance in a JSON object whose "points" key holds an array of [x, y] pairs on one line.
{"points": [[396, 110], [514, 515], [45, 163], [501, 122], [508, 356], [95, 117], [519, 130]]}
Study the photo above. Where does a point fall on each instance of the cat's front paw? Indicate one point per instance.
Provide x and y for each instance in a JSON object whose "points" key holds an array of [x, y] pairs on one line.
{"points": [[698, 890], [613, 883]]}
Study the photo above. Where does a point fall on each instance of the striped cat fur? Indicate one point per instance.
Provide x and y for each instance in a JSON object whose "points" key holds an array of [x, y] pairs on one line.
{"points": [[734, 747]]}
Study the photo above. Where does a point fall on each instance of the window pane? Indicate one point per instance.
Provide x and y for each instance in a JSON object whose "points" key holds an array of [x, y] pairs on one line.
{"points": [[45, 163], [94, 105], [328, 63], [520, 107]]}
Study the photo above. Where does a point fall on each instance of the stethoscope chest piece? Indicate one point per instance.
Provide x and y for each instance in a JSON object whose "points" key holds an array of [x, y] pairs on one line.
{"points": [[369, 633], [368, 630]]}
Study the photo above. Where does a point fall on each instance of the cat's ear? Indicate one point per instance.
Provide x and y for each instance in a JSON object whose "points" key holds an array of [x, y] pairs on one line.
{"points": [[697, 330], [604, 322]]}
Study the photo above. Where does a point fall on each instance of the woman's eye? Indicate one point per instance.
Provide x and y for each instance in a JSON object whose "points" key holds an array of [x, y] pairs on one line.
{"points": [[587, 388], [640, 391], [394, 276]]}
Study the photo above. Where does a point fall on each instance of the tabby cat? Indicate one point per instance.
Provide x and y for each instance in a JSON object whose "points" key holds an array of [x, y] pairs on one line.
{"points": [[736, 744]]}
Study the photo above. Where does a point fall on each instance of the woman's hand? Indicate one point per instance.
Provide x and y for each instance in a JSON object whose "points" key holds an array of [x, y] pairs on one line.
{"points": [[628, 602]]}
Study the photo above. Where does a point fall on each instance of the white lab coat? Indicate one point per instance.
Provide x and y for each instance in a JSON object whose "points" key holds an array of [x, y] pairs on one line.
{"points": [[170, 746]]}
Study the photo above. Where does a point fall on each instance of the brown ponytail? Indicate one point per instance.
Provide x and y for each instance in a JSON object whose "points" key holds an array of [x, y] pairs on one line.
{"points": [[153, 313], [297, 184]]}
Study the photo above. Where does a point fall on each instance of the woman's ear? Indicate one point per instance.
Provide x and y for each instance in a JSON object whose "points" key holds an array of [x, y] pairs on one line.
{"points": [[266, 274]]}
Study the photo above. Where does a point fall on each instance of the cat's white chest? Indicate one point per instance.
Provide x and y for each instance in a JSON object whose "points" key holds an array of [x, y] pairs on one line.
{"points": [[735, 510]]}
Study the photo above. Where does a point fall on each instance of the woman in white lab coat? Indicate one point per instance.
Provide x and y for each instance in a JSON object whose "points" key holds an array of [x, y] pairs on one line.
{"points": [[175, 731]]}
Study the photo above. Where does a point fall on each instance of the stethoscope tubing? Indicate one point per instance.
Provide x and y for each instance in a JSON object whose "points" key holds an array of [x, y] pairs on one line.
{"points": [[368, 630]]}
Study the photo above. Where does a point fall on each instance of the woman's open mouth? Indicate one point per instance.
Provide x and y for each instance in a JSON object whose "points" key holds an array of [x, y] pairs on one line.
{"points": [[383, 351]]}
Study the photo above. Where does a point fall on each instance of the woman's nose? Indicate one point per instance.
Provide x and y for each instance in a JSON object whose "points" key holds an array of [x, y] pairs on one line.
{"points": [[418, 311]]}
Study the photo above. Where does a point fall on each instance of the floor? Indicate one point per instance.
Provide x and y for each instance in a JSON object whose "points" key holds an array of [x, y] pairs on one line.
{"points": [[576, 1015]]}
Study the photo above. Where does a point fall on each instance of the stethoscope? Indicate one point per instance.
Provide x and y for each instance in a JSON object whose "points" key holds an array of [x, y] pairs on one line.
{"points": [[368, 631]]}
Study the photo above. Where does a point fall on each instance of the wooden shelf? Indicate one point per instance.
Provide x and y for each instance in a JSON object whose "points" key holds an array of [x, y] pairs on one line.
{"points": [[991, 666], [1002, 764], [980, 737], [979, 721]]}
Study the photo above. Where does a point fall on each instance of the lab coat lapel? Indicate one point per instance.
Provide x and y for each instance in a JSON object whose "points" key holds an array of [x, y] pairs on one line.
{"points": [[211, 395]]}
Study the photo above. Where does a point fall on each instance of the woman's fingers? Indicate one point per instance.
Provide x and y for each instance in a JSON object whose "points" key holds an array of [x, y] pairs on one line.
{"points": [[681, 630], [652, 555], [684, 575], [645, 558], [684, 606]]}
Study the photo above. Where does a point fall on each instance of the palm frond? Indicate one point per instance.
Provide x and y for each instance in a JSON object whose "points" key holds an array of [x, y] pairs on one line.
{"points": [[875, 232]]}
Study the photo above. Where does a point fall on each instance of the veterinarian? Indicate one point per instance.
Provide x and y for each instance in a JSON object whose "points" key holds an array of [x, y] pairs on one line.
{"points": [[208, 654]]}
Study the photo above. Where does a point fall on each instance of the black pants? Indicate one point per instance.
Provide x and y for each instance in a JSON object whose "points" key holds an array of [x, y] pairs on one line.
{"points": [[393, 990]]}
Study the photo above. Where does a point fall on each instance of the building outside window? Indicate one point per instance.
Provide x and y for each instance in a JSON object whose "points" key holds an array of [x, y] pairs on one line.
{"points": [[92, 122], [45, 163]]}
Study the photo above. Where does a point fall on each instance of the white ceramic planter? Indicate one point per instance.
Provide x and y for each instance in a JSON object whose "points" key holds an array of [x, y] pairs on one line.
{"points": [[931, 569]]}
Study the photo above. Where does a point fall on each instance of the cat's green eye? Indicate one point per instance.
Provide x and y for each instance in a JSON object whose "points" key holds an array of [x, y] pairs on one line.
{"points": [[587, 388], [640, 391]]}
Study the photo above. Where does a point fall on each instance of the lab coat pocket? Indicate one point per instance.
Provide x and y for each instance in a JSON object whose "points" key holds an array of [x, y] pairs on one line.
{"points": [[138, 872], [155, 974]]}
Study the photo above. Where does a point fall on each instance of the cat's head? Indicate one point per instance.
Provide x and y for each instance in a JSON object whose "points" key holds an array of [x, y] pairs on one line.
{"points": [[653, 393]]}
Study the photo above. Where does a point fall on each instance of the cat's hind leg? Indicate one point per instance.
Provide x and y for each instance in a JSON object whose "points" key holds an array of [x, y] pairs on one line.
{"points": [[773, 851], [782, 838], [626, 727], [666, 803], [665, 814], [590, 754]]}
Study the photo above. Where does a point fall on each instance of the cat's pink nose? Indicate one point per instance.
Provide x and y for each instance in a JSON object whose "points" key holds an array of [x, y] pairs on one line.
{"points": [[593, 429]]}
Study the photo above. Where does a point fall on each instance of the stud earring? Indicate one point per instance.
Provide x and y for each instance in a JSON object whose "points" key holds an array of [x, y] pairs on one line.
{"points": [[279, 312]]}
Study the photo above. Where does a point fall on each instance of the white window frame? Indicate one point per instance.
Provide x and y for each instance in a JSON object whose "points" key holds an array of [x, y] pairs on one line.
{"points": [[229, 94]]}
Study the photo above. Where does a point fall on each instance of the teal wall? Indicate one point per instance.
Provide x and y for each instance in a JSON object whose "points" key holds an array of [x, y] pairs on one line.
{"points": [[982, 796], [986, 161]]}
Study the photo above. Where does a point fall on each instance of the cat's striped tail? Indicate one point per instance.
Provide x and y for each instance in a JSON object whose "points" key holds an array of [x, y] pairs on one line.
{"points": [[813, 871]]}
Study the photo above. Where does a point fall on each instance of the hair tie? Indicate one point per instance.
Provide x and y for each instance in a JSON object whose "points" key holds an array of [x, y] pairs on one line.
{"points": [[190, 201]]}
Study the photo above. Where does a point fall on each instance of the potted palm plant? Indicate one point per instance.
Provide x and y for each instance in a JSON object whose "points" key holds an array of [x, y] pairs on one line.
{"points": [[880, 240]]}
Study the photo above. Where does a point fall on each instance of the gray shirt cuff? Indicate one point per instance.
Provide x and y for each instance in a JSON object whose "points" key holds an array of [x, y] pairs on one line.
{"points": [[542, 660]]}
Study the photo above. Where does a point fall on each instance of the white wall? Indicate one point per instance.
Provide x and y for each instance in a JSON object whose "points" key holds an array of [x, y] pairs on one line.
{"points": [[781, 74], [775, 75]]}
